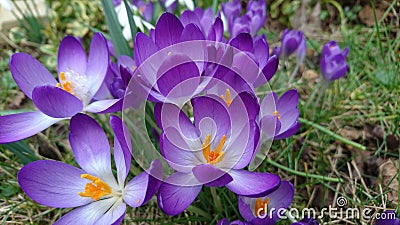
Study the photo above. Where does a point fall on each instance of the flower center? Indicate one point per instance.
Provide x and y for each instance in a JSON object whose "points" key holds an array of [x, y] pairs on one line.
{"points": [[142, 8], [276, 113], [95, 189], [213, 157], [227, 97], [261, 206], [76, 85]]}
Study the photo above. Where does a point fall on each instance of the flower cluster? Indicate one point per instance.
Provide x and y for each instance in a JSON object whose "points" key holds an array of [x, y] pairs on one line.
{"points": [[201, 85]]}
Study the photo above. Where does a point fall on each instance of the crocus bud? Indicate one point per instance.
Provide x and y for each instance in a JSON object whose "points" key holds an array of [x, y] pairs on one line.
{"points": [[333, 61], [231, 9], [291, 40], [301, 52]]}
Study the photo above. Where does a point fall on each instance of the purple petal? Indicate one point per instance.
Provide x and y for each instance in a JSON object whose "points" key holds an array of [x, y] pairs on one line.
{"points": [[16, 127], [174, 199], [243, 42], [178, 77], [283, 196], [105, 211], [144, 48], [252, 184], [53, 183], [270, 68], [105, 106], [289, 119], [122, 148], [29, 73], [218, 29], [388, 217], [71, 56], [288, 101], [168, 30], [270, 126], [142, 187], [56, 102], [89, 145], [169, 115], [211, 176], [289, 132], [189, 17], [192, 32], [209, 112], [261, 52], [98, 62], [269, 104], [178, 152]]}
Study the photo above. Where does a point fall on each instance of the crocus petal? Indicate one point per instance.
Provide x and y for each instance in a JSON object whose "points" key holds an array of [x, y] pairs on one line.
{"points": [[270, 126], [122, 148], [206, 108], [102, 212], [178, 77], [269, 69], [16, 127], [53, 183], [144, 48], [174, 199], [289, 119], [243, 42], [168, 30], [105, 106], [252, 184], [289, 132], [269, 104], [71, 56], [192, 32], [98, 62], [288, 101], [388, 217], [90, 145], [189, 17], [29, 73], [55, 102], [142, 187], [211, 176], [178, 151]]}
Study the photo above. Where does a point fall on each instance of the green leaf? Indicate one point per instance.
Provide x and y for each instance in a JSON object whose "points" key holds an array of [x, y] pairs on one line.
{"points": [[22, 151], [120, 44], [132, 24]]}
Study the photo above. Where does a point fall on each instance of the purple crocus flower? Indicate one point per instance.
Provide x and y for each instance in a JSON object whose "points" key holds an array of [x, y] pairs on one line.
{"points": [[145, 9], [250, 22], [118, 76], [388, 217], [236, 222], [212, 151], [307, 221], [100, 198], [258, 211], [291, 40], [333, 61], [79, 81], [210, 25], [278, 117]]}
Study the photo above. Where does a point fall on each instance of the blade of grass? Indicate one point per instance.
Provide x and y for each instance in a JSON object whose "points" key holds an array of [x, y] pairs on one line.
{"points": [[120, 44], [132, 24]]}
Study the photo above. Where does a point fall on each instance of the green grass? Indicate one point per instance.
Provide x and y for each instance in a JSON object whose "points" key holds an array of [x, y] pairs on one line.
{"points": [[367, 98]]}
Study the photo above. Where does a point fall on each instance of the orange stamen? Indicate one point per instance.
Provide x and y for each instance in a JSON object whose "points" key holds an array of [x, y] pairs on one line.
{"points": [[261, 207], [227, 97], [96, 189], [276, 113], [215, 156]]}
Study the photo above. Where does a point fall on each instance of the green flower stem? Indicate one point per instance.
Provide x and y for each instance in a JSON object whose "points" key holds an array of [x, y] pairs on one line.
{"points": [[303, 174], [334, 135]]}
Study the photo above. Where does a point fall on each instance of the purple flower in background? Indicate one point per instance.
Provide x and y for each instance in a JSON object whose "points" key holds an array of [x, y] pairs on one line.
{"points": [[117, 78], [278, 117], [212, 151], [258, 211], [291, 41], [307, 221], [333, 61], [100, 198], [250, 22], [145, 9], [79, 81], [236, 222], [388, 217], [210, 25]]}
